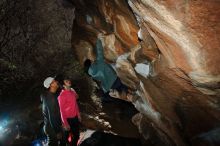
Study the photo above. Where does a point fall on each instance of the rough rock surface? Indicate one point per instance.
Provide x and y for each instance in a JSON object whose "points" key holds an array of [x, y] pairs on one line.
{"points": [[179, 100]]}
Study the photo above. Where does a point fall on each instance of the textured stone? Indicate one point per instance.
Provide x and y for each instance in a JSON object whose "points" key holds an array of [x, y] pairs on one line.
{"points": [[126, 72], [183, 36], [112, 48], [84, 51], [179, 100], [124, 24]]}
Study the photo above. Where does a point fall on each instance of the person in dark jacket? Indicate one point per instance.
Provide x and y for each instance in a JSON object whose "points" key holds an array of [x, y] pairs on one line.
{"points": [[51, 113]]}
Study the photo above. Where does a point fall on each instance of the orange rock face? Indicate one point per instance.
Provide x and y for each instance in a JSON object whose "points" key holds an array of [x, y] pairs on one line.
{"points": [[179, 100], [185, 33]]}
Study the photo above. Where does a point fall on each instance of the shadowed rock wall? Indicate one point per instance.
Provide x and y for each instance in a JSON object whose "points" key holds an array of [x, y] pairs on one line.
{"points": [[178, 98]]}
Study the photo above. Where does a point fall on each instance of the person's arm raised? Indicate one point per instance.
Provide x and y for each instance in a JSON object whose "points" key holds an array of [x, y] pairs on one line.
{"points": [[99, 51]]}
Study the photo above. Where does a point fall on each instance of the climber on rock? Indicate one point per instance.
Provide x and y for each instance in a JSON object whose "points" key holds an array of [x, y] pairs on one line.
{"points": [[102, 72]]}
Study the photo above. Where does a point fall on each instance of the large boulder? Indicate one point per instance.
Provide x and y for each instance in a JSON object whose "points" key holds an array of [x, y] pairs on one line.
{"points": [[177, 43]]}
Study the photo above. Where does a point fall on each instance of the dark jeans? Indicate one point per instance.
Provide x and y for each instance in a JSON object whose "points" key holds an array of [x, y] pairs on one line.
{"points": [[52, 140], [52, 137], [74, 129], [119, 86]]}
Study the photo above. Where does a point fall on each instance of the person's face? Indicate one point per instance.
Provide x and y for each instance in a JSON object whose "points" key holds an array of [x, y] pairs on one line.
{"points": [[54, 84], [67, 83]]}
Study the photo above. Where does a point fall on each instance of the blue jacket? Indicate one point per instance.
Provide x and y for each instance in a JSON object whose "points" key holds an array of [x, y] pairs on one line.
{"points": [[102, 71]]}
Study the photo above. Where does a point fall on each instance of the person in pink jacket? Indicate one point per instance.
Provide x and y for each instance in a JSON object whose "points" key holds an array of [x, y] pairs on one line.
{"points": [[69, 111]]}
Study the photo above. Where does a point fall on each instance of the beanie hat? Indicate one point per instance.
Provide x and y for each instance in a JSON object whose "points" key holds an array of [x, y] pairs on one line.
{"points": [[48, 81]]}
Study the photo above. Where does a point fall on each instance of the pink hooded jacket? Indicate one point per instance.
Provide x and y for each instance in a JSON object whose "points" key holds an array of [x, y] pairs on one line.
{"points": [[68, 105]]}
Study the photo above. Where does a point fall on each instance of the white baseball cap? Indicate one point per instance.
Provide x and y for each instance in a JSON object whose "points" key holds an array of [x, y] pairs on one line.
{"points": [[48, 81]]}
